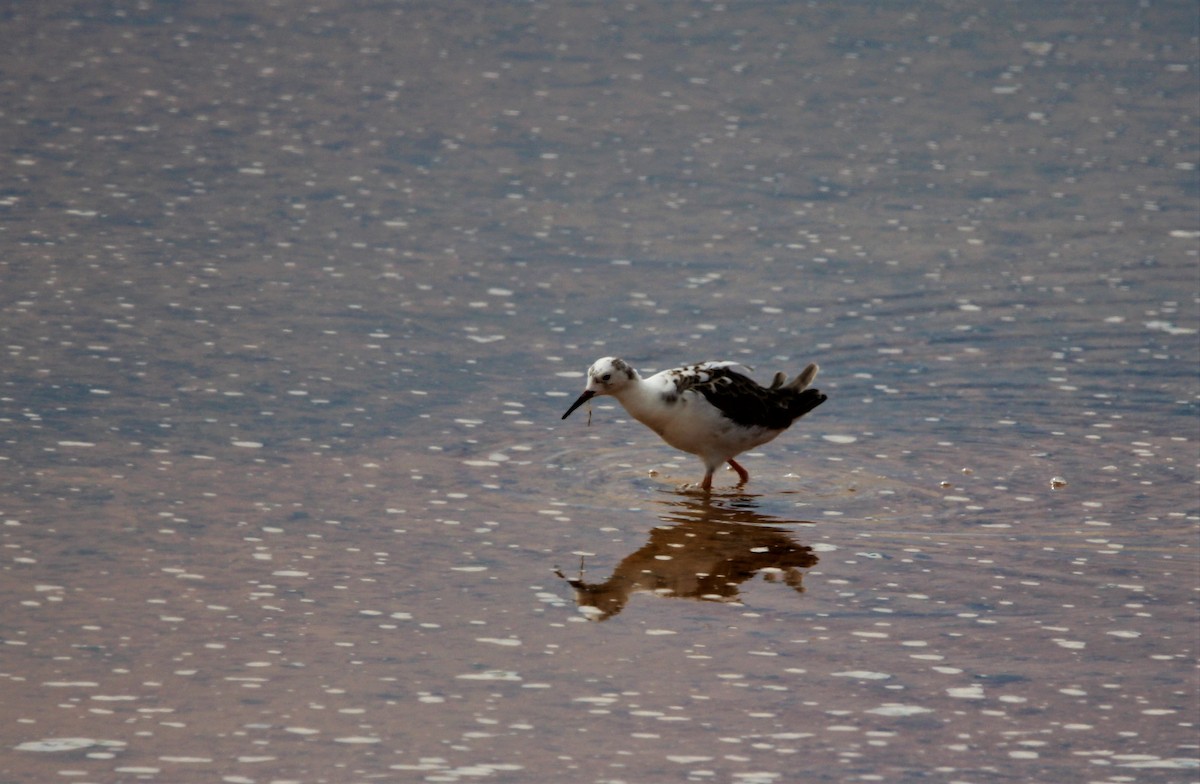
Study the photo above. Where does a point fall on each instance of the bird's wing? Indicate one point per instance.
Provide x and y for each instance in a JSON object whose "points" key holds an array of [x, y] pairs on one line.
{"points": [[731, 391]]}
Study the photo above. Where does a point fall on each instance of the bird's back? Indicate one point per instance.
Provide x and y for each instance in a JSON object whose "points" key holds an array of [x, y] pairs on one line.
{"points": [[747, 403]]}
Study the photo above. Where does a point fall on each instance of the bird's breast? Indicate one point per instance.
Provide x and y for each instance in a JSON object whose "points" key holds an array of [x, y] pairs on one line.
{"points": [[688, 422]]}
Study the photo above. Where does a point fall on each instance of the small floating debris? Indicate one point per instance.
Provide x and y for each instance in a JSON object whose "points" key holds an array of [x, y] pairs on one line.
{"points": [[1169, 328], [53, 745], [1057, 482]]}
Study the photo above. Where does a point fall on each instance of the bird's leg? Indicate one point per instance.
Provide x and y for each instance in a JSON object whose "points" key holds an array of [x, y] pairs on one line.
{"points": [[743, 474], [706, 483]]}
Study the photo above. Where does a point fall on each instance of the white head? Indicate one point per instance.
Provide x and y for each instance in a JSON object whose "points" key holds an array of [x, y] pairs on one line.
{"points": [[606, 376]]}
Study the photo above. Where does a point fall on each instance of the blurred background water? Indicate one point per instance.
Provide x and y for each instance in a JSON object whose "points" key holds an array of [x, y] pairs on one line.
{"points": [[292, 298]]}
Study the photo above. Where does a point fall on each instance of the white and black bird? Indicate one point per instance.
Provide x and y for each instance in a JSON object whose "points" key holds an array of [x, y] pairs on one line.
{"points": [[712, 409]]}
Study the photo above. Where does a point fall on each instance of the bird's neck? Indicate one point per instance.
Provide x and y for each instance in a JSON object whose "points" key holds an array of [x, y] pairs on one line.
{"points": [[641, 402]]}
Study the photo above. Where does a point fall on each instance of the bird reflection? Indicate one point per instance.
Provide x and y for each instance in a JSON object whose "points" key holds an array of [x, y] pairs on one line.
{"points": [[709, 547]]}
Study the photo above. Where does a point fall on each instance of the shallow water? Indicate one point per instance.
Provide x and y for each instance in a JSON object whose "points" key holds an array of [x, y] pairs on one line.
{"points": [[292, 303]]}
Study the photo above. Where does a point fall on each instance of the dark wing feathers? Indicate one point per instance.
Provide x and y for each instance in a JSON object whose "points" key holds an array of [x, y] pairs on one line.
{"points": [[747, 403]]}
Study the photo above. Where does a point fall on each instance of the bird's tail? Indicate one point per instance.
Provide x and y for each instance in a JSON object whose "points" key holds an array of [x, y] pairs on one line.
{"points": [[800, 399], [797, 384], [806, 401]]}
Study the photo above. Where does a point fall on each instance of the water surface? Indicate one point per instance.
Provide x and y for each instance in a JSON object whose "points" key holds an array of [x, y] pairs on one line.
{"points": [[292, 301]]}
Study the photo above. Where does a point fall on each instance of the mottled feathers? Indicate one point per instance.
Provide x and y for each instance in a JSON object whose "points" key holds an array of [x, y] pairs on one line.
{"points": [[744, 400]]}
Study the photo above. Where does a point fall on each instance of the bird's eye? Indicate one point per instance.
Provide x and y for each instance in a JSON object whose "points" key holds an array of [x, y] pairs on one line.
{"points": [[606, 377]]}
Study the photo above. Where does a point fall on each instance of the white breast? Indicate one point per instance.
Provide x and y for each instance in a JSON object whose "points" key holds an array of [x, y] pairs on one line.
{"points": [[690, 423]]}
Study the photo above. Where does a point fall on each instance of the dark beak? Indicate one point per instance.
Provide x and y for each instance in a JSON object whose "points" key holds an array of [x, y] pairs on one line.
{"points": [[585, 397]]}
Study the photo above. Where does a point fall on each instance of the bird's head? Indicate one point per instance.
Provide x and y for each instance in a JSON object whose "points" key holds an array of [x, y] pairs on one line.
{"points": [[606, 376]]}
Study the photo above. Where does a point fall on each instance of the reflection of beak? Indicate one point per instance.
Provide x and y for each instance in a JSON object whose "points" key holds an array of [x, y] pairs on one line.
{"points": [[585, 397]]}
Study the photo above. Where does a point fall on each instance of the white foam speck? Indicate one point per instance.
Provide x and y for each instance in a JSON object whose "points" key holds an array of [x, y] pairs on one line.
{"points": [[1183, 763], [490, 675], [71, 684], [65, 744], [896, 709], [507, 641]]}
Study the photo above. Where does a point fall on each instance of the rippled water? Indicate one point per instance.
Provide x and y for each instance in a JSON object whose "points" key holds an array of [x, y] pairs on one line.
{"points": [[292, 301]]}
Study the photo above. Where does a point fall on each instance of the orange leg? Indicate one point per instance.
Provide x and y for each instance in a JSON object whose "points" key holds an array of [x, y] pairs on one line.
{"points": [[706, 483], [743, 474]]}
